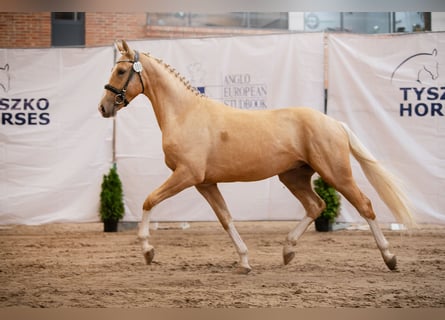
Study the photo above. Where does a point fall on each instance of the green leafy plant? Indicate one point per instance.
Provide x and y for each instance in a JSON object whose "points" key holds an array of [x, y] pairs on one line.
{"points": [[330, 196], [111, 197]]}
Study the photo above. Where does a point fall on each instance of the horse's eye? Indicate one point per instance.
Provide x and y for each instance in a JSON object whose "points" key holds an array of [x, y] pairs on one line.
{"points": [[120, 71]]}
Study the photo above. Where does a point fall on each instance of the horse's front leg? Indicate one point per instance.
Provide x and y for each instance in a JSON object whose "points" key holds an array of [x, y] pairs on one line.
{"points": [[144, 234], [178, 181], [213, 196]]}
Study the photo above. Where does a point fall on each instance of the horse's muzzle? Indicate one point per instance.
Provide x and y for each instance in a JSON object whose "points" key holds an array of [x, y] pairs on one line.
{"points": [[104, 112]]}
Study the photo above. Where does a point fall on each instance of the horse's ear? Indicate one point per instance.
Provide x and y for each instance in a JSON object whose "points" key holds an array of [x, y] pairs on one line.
{"points": [[118, 45], [126, 47], [122, 47], [434, 53]]}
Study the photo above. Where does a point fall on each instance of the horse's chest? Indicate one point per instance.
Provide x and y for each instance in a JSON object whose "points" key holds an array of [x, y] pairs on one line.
{"points": [[180, 150]]}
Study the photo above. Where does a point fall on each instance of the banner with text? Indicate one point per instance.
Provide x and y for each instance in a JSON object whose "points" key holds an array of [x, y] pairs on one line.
{"points": [[54, 145], [391, 91], [247, 72]]}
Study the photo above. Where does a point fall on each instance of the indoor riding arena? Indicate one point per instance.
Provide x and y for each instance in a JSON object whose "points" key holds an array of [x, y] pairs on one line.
{"points": [[218, 156]]}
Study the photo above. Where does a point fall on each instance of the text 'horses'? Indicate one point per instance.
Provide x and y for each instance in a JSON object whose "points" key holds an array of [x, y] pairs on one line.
{"points": [[206, 142]]}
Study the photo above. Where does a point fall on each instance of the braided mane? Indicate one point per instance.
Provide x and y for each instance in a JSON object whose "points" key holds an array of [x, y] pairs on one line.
{"points": [[177, 75]]}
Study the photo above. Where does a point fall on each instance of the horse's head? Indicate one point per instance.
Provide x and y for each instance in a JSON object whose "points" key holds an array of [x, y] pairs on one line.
{"points": [[123, 86], [431, 66]]}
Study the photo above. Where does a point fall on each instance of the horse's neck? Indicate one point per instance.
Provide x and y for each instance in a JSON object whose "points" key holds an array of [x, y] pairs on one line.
{"points": [[169, 93]]}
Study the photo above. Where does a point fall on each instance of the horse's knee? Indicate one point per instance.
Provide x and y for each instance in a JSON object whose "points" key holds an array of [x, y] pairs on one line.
{"points": [[148, 204], [316, 208]]}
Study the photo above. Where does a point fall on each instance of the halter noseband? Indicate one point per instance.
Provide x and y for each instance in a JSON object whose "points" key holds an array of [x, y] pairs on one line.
{"points": [[120, 97]]}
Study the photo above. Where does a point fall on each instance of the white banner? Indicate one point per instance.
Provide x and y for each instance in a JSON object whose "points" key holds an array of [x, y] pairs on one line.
{"points": [[54, 145], [279, 71], [391, 91]]}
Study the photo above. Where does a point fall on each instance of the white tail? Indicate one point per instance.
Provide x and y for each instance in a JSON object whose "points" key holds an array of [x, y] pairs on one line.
{"points": [[382, 181]]}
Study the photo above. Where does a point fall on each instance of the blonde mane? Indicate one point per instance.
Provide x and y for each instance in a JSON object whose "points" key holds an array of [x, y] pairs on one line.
{"points": [[177, 75]]}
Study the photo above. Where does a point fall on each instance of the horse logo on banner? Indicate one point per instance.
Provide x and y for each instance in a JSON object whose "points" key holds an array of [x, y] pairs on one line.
{"points": [[4, 77], [424, 95], [420, 67]]}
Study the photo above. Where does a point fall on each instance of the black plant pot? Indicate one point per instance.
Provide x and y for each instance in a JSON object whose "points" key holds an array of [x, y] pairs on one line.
{"points": [[110, 226], [323, 225]]}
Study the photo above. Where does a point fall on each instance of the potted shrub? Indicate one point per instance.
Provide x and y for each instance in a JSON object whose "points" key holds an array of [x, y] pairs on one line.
{"points": [[332, 199], [111, 201]]}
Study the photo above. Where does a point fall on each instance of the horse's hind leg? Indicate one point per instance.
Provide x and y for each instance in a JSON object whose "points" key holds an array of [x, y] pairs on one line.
{"points": [[363, 205], [345, 184], [298, 181], [383, 245], [213, 196]]}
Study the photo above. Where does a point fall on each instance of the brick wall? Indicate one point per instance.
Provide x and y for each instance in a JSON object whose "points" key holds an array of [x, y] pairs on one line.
{"points": [[105, 28], [33, 30], [25, 30]]}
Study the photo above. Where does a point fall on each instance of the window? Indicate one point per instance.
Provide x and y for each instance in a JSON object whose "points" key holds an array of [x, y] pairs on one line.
{"points": [[67, 29], [411, 21], [367, 22], [266, 20]]}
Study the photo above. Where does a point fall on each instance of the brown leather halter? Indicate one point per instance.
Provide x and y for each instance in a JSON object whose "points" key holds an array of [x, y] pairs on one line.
{"points": [[120, 97]]}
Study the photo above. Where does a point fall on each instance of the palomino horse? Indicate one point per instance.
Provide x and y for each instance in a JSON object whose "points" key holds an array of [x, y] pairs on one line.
{"points": [[206, 142]]}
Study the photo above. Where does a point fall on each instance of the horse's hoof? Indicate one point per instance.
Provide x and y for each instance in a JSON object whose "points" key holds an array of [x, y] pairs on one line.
{"points": [[392, 263], [288, 257], [243, 270], [149, 255]]}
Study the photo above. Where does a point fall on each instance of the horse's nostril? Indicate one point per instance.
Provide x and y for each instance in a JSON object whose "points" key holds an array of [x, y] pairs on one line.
{"points": [[102, 109]]}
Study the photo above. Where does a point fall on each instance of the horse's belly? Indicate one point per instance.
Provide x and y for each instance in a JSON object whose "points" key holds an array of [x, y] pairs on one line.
{"points": [[250, 168]]}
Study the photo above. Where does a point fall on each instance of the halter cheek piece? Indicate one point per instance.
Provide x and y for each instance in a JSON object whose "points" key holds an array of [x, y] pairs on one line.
{"points": [[120, 97]]}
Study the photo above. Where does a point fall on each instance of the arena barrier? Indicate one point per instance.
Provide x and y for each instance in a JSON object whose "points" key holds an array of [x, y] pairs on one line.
{"points": [[55, 146], [391, 91]]}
